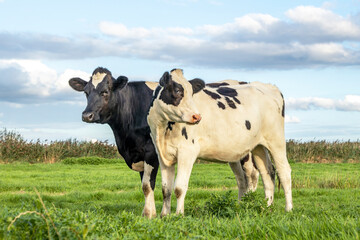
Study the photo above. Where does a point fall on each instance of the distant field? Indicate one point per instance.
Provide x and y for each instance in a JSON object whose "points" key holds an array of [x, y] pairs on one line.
{"points": [[105, 201], [14, 148]]}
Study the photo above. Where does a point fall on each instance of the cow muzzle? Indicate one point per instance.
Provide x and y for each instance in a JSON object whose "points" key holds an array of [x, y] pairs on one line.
{"points": [[88, 117], [196, 118]]}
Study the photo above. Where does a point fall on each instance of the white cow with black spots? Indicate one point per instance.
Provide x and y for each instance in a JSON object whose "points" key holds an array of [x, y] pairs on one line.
{"points": [[217, 124]]}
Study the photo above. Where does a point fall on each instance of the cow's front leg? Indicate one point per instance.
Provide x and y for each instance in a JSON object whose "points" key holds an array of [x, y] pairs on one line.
{"points": [[149, 208], [167, 179], [185, 165]]}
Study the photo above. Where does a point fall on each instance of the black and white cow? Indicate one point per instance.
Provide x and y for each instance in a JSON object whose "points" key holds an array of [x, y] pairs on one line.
{"points": [[217, 124], [124, 106]]}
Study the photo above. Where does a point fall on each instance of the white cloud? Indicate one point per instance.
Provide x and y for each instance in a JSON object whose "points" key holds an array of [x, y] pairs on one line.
{"points": [[291, 119], [314, 37], [324, 20], [308, 37], [120, 30], [251, 23], [31, 81], [349, 103]]}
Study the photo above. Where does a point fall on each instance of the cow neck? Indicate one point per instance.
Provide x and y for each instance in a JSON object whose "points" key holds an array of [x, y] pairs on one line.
{"points": [[158, 132], [129, 114]]}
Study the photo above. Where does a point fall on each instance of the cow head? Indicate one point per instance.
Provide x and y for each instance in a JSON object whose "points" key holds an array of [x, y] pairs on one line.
{"points": [[175, 100], [100, 95]]}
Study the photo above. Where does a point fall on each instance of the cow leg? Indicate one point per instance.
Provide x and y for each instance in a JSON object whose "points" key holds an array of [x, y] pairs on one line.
{"points": [[251, 173], [254, 175], [278, 152], [185, 165], [147, 182], [263, 163], [240, 178], [167, 179]]}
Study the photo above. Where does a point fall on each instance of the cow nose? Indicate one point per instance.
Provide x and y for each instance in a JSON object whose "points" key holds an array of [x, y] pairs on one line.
{"points": [[88, 116], [196, 118]]}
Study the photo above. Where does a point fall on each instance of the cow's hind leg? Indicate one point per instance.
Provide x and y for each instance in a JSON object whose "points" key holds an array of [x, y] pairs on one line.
{"points": [[251, 173], [264, 165], [240, 177], [254, 175], [167, 179], [278, 153]]}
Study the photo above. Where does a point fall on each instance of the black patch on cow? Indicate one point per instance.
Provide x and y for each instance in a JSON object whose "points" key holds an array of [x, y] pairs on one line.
{"points": [[230, 103], [156, 92], [244, 160], [170, 124], [221, 105], [236, 100], [184, 133], [212, 94], [166, 193], [197, 85], [146, 189], [177, 192], [216, 85], [192, 141], [172, 93], [155, 95], [242, 83], [226, 91], [248, 124], [283, 106], [253, 161]]}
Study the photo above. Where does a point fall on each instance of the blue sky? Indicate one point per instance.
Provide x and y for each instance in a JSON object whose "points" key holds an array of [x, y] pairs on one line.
{"points": [[309, 49]]}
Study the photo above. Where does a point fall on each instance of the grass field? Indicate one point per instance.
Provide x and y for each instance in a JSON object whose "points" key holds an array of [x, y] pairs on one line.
{"points": [[105, 201]]}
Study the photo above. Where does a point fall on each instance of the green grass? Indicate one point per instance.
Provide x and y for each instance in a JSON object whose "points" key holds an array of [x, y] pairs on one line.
{"points": [[105, 201]]}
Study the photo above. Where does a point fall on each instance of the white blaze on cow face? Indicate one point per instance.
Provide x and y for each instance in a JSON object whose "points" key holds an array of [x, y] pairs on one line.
{"points": [[175, 102], [97, 78]]}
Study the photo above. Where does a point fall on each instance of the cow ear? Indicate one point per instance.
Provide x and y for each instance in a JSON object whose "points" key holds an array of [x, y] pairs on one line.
{"points": [[77, 84], [165, 79], [197, 85], [120, 82]]}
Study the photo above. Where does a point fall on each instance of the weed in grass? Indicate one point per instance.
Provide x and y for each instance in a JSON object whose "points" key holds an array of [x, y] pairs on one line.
{"points": [[227, 206], [255, 202]]}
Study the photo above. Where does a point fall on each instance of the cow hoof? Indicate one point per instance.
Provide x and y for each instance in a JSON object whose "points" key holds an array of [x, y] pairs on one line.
{"points": [[148, 214], [288, 208]]}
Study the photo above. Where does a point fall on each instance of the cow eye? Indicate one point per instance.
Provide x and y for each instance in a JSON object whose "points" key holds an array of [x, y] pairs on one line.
{"points": [[104, 93], [177, 91]]}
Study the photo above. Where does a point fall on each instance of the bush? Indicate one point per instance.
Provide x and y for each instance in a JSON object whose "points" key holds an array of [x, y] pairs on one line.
{"points": [[13, 148], [323, 151]]}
